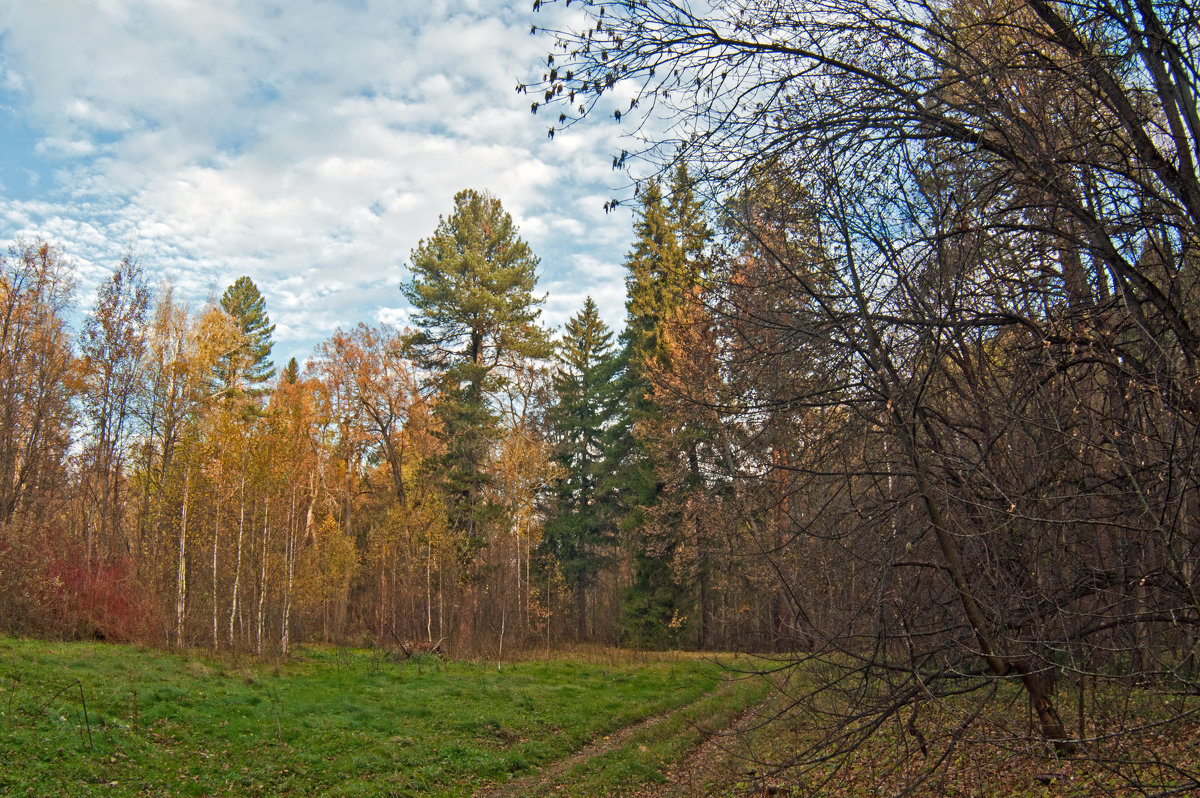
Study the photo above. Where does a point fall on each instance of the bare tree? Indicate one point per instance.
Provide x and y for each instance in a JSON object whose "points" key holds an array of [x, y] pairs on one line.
{"points": [[35, 411], [36, 367], [113, 346], [982, 219]]}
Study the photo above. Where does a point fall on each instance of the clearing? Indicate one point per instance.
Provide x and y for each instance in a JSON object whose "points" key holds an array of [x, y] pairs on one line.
{"points": [[80, 719], [86, 719]]}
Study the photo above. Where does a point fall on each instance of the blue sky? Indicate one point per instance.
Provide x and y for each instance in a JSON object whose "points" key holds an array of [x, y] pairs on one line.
{"points": [[308, 144]]}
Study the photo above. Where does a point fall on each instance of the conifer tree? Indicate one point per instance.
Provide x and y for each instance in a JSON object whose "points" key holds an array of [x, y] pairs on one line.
{"points": [[581, 519], [291, 372], [241, 372], [477, 317], [664, 265]]}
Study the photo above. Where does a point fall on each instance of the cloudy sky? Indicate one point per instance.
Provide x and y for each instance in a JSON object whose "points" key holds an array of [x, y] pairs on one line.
{"points": [[308, 144]]}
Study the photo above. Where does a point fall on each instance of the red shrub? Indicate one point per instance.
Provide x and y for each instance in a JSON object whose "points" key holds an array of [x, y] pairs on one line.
{"points": [[101, 601], [48, 588]]}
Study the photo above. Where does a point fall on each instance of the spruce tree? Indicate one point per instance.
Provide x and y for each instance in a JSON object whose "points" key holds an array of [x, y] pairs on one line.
{"points": [[476, 316], [665, 264], [245, 370], [291, 372], [581, 518]]}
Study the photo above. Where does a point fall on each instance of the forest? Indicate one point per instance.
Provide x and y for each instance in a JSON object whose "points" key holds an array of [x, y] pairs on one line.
{"points": [[906, 400], [472, 481]]}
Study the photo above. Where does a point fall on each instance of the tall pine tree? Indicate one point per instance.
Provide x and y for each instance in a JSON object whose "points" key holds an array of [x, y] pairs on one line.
{"points": [[665, 264], [244, 371], [477, 317]]}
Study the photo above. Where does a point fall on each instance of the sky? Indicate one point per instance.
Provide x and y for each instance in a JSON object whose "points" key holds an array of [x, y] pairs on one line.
{"points": [[308, 144]]}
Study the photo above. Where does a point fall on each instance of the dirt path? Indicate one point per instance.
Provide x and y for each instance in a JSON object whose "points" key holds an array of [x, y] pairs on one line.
{"points": [[711, 760], [721, 759], [545, 780]]}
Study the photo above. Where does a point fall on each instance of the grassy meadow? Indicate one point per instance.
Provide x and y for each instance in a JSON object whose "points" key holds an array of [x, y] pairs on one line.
{"points": [[340, 722], [94, 719]]}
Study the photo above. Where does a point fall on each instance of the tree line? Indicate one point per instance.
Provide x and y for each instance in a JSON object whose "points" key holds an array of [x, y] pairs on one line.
{"points": [[474, 479]]}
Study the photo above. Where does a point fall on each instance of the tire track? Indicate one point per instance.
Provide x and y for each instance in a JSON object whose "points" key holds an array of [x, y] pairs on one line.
{"points": [[713, 749], [546, 780], [719, 758]]}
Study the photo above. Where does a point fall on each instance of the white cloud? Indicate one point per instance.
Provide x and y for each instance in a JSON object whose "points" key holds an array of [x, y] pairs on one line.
{"points": [[309, 145]]}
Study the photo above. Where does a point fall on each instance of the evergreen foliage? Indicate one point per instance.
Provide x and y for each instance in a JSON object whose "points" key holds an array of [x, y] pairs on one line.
{"points": [[291, 372], [665, 264], [477, 317], [244, 370], [581, 518]]}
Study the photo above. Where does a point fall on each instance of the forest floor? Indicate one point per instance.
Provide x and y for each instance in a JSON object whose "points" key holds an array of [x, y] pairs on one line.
{"points": [[82, 719]]}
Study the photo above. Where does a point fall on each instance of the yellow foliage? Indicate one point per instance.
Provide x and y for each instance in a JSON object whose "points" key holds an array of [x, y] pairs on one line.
{"points": [[326, 567]]}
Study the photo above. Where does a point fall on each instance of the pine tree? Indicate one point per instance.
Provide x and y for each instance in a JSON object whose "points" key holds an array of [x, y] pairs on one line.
{"points": [[472, 289], [581, 519], [666, 261], [242, 371]]}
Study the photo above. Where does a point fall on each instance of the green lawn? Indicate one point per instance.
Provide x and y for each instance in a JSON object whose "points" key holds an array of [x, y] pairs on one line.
{"points": [[330, 722]]}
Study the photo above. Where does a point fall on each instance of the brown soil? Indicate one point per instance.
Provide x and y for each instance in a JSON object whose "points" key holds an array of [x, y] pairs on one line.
{"points": [[722, 759]]}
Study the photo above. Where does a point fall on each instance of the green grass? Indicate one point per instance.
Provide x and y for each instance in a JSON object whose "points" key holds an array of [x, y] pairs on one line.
{"points": [[339, 722], [330, 722]]}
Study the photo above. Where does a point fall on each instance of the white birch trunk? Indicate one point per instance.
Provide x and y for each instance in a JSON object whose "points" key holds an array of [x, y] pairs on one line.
{"points": [[429, 591], [181, 574], [262, 578], [216, 543], [237, 569], [289, 560]]}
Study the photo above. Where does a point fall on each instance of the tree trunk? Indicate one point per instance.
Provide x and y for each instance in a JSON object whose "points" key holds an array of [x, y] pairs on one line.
{"points": [[1051, 724], [289, 562], [429, 593], [181, 573], [262, 578], [237, 569], [216, 540]]}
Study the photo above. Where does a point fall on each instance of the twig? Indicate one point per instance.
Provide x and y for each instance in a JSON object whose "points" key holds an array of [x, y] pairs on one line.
{"points": [[82, 699], [13, 692], [276, 705], [87, 722]]}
